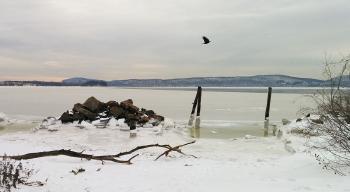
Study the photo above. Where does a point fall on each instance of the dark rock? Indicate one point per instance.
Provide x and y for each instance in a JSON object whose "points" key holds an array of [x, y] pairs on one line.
{"points": [[157, 117], [94, 105], [144, 119], [127, 102], [117, 112], [132, 125], [66, 117], [84, 111], [317, 121], [129, 106], [155, 123], [132, 117], [149, 112], [78, 117], [77, 107], [112, 103], [93, 109], [298, 120]]}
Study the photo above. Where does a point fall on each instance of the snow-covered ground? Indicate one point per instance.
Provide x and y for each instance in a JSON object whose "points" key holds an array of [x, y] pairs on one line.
{"points": [[242, 164]]}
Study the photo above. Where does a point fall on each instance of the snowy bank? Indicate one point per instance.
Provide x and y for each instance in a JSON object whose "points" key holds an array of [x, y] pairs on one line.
{"points": [[303, 126], [242, 164]]}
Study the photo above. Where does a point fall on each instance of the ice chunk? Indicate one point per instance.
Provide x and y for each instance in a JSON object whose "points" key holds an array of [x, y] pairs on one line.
{"points": [[249, 137], [168, 123], [112, 122], [3, 120], [288, 147], [49, 123], [2, 117]]}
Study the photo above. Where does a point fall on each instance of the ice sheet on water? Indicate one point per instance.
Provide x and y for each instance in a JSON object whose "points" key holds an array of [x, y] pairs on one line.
{"points": [[228, 124], [16, 124], [5, 120]]}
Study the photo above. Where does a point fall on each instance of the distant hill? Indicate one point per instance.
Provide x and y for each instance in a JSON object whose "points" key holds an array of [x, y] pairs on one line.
{"points": [[76, 81], [345, 81], [238, 81], [79, 81]]}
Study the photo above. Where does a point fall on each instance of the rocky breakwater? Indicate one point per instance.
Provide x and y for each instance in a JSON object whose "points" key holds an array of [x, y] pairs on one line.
{"points": [[93, 109]]}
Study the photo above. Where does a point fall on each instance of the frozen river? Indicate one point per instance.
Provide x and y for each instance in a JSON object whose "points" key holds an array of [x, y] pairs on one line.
{"points": [[221, 108]]}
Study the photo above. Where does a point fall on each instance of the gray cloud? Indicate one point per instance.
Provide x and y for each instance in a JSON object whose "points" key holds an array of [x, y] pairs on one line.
{"points": [[117, 39]]}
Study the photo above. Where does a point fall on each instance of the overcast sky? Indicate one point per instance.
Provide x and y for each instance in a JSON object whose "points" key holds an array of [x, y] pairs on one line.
{"points": [[121, 39]]}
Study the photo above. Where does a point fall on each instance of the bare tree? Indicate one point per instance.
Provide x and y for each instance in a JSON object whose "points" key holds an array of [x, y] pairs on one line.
{"points": [[333, 108]]}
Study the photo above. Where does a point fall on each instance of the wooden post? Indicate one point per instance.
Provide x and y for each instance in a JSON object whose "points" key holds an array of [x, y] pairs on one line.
{"points": [[198, 118], [199, 101], [267, 112], [190, 122]]}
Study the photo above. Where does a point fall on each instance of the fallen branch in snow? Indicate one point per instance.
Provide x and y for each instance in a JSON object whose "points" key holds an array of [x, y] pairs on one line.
{"points": [[176, 148], [76, 172], [102, 158]]}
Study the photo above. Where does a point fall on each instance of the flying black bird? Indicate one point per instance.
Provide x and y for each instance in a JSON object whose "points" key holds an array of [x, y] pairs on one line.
{"points": [[206, 40]]}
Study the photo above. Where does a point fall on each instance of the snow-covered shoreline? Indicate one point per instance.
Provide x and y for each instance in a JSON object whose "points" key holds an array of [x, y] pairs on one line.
{"points": [[243, 164]]}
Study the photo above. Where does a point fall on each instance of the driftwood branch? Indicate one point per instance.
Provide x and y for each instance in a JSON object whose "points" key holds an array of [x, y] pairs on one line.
{"points": [[113, 158], [176, 148]]}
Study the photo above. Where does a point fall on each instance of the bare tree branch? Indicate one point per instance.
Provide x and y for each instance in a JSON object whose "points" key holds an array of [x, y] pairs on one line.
{"points": [[112, 158]]}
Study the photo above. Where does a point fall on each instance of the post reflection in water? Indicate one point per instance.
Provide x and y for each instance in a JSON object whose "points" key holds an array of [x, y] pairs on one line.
{"points": [[195, 132]]}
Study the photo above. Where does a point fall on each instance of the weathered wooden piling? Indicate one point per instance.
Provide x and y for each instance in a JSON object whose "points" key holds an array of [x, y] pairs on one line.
{"points": [[190, 122], [267, 112], [198, 116]]}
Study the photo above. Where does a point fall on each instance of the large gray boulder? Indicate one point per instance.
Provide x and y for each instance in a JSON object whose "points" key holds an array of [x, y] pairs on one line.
{"points": [[129, 106], [112, 104], [94, 105], [117, 112], [84, 111], [66, 117]]}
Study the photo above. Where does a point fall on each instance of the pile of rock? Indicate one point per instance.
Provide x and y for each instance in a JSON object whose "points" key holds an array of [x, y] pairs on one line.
{"points": [[93, 109]]}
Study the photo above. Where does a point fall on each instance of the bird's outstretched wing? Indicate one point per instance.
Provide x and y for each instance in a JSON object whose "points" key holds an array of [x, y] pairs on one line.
{"points": [[206, 40]]}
